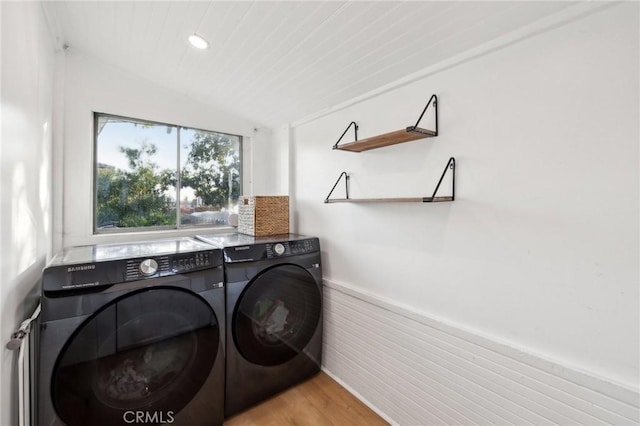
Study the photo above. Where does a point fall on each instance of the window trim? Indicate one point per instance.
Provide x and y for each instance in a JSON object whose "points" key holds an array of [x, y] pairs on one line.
{"points": [[161, 228]]}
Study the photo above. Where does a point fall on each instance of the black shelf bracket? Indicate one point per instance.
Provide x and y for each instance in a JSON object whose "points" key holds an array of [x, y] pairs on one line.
{"points": [[346, 186], [433, 100], [355, 129], [451, 165]]}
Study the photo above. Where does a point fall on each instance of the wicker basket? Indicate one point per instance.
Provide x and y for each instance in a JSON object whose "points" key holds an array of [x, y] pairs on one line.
{"points": [[263, 215]]}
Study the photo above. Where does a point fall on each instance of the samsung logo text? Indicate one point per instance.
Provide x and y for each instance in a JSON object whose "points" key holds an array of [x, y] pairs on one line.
{"points": [[81, 268]]}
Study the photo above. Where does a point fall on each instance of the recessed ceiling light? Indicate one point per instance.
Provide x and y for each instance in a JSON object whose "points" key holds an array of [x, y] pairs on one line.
{"points": [[198, 42]]}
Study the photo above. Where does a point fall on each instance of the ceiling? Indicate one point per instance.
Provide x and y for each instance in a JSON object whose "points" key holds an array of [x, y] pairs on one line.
{"points": [[277, 62]]}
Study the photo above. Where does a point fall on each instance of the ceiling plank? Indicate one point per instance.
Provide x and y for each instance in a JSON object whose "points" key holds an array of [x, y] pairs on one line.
{"points": [[276, 62]]}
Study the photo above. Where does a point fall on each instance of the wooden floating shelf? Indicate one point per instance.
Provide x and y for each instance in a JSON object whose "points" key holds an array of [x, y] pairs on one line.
{"points": [[391, 200], [399, 136], [451, 165], [408, 134]]}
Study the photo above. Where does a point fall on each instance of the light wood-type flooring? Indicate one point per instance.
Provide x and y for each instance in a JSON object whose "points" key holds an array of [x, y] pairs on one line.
{"points": [[318, 401]]}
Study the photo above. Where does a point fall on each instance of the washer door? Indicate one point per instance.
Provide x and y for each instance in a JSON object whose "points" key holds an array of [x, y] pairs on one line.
{"points": [[148, 352], [277, 315]]}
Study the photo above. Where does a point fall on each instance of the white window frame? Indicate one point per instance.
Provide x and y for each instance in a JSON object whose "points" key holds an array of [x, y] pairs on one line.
{"points": [[158, 228]]}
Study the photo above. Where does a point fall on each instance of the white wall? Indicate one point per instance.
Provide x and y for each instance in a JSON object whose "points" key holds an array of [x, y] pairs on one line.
{"points": [[27, 68], [540, 248], [271, 163], [267, 163], [90, 85]]}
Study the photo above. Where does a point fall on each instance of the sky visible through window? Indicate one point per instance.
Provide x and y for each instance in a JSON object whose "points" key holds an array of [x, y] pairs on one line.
{"points": [[117, 134]]}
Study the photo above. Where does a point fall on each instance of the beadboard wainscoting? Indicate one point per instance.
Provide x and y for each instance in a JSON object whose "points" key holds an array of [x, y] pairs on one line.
{"points": [[413, 369]]}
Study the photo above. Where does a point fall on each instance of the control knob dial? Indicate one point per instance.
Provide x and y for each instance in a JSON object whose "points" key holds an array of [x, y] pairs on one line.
{"points": [[279, 249], [148, 267]]}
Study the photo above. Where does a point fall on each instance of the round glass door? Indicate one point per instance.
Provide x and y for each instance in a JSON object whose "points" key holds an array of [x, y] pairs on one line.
{"points": [[148, 351], [277, 315]]}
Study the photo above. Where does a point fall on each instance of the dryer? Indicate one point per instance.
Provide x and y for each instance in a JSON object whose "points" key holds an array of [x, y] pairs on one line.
{"points": [[132, 334], [274, 314]]}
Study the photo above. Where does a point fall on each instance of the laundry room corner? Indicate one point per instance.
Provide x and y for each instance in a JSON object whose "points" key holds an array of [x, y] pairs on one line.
{"points": [[26, 89]]}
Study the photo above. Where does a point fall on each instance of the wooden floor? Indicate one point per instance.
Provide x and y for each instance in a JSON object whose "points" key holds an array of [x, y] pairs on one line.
{"points": [[318, 401]]}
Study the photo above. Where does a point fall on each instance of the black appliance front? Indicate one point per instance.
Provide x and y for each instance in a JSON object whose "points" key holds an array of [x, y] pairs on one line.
{"points": [[274, 321], [141, 352]]}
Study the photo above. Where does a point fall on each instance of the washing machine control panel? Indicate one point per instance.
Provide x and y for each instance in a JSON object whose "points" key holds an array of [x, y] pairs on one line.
{"points": [[97, 274], [270, 250], [289, 248], [162, 266]]}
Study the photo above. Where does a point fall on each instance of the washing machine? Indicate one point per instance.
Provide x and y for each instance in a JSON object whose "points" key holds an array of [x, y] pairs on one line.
{"points": [[274, 314], [132, 334]]}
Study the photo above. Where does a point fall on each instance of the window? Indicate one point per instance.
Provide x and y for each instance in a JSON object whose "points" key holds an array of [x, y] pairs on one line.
{"points": [[151, 176]]}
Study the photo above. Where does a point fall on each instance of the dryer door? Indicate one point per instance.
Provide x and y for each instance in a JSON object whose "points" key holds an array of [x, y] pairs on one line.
{"points": [[143, 358], [277, 315]]}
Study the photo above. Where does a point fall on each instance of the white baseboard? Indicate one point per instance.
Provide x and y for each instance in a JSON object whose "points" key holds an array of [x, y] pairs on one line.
{"points": [[414, 369]]}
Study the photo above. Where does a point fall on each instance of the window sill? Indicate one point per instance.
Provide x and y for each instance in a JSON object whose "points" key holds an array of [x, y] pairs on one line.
{"points": [[119, 237]]}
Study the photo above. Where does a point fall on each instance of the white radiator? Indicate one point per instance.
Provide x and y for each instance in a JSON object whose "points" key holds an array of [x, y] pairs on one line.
{"points": [[22, 342], [413, 369]]}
